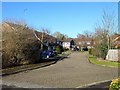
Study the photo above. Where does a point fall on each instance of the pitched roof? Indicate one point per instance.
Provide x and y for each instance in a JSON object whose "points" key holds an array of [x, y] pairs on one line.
{"points": [[68, 40], [82, 39]]}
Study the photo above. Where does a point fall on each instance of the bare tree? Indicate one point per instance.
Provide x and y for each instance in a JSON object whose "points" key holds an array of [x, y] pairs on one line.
{"points": [[108, 25], [103, 34], [80, 35], [44, 33], [60, 36], [88, 34]]}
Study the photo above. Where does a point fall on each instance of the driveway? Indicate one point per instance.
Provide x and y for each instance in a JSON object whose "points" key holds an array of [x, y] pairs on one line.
{"points": [[72, 72]]}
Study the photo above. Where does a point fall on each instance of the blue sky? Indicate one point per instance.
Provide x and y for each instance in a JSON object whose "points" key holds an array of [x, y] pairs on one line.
{"points": [[68, 18]]}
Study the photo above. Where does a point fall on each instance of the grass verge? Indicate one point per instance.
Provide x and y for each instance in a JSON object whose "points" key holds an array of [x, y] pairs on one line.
{"points": [[94, 60]]}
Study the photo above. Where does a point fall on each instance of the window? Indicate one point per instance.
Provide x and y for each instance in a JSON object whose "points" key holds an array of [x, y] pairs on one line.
{"points": [[88, 43], [80, 42]]}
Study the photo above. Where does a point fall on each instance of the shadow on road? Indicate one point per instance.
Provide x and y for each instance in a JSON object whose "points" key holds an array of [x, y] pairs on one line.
{"points": [[55, 59]]}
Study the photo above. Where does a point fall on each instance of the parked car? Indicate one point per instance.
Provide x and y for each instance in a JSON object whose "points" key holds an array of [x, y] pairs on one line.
{"points": [[85, 49], [48, 54], [54, 52]]}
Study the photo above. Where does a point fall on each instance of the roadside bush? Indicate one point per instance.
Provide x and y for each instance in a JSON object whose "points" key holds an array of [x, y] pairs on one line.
{"points": [[32, 52], [103, 51], [90, 51], [99, 51], [19, 46], [58, 50], [115, 84]]}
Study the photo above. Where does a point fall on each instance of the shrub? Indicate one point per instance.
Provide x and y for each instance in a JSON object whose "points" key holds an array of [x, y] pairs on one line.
{"points": [[58, 50], [90, 51], [103, 50], [32, 52], [19, 46], [115, 84]]}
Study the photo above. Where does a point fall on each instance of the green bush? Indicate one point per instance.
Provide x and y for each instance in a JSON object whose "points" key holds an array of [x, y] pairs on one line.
{"points": [[90, 51], [58, 50], [103, 51], [115, 84], [99, 51]]}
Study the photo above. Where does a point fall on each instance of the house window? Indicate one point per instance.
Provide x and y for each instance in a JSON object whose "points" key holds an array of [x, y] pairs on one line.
{"points": [[80, 42], [83, 42], [88, 43]]}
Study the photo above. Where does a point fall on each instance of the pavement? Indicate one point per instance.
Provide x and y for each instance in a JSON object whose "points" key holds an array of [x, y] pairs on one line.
{"points": [[75, 71]]}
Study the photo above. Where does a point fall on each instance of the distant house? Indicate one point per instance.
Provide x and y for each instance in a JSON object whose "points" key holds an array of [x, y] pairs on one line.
{"points": [[68, 43], [53, 45], [85, 42], [59, 42]]}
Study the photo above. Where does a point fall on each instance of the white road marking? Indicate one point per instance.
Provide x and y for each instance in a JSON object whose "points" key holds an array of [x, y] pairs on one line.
{"points": [[87, 85]]}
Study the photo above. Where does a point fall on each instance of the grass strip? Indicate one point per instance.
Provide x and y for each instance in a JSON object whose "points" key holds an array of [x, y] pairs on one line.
{"points": [[94, 60]]}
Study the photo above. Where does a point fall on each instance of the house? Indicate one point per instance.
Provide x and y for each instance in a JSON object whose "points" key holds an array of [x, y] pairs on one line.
{"points": [[53, 45], [116, 41], [85, 42], [114, 54], [69, 43]]}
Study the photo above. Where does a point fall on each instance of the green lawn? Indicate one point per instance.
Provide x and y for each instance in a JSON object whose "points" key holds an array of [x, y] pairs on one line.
{"points": [[94, 60], [60, 55]]}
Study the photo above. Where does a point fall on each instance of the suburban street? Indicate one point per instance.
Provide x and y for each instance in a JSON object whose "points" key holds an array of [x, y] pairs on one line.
{"points": [[72, 72]]}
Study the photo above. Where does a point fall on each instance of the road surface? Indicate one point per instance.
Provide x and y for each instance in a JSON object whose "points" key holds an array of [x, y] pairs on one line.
{"points": [[72, 72]]}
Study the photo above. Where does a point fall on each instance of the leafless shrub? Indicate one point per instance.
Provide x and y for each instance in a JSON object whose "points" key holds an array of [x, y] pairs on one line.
{"points": [[19, 45]]}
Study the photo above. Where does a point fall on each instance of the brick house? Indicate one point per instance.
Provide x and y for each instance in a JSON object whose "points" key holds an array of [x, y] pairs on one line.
{"points": [[85, 42], [116, 40]]}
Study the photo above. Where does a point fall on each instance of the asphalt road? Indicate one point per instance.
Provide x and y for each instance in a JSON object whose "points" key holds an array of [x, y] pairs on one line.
{"points": [[72, 72]]}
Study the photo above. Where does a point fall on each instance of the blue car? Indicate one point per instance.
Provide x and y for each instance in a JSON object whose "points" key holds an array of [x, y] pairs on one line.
{"points": [[48, 54]]}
